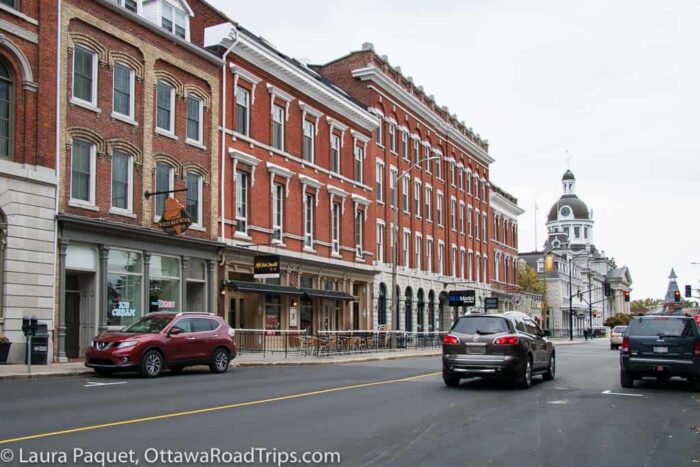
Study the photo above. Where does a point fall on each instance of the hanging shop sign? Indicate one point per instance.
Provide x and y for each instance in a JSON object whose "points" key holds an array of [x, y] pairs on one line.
{"points": [[175, 219], [266, 267], [462, 298]]}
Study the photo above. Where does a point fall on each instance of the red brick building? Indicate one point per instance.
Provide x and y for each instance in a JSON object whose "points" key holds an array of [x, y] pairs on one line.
{"points": [[443, 221], [298, 184], [504, 240], [28, 180], [139, 109]]}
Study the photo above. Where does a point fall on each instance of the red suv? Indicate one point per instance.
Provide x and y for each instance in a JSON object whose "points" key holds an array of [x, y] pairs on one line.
{"points": [[160, 340]]}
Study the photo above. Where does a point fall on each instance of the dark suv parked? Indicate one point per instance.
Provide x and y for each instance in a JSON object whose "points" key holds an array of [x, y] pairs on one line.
{"points": [[509, 346], [160, 340], [662, 347]]}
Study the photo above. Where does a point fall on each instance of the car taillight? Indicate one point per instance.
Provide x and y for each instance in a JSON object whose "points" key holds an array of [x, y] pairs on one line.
{"points": [[625, 344], [450, 340], [696, 347], [506, 340]]}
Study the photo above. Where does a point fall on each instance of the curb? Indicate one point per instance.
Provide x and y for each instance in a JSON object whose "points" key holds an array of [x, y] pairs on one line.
{"points": [[16, 376], [335, 362]]}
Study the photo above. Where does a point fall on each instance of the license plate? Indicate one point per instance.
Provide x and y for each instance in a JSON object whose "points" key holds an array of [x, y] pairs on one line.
{"points": [[476, 349], [660, 349]]}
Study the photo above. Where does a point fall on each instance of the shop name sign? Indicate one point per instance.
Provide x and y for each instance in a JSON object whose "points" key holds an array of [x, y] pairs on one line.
{"points": [[267, 267], [491, 303], [175, 219], [462, 298]]}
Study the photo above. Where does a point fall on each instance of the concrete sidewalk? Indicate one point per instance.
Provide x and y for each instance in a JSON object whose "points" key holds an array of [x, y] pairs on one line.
{"points": [[244, 360]]}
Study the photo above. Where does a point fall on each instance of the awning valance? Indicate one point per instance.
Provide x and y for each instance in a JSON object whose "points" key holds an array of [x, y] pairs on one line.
{"points": [[256, 287], [327, 294]]}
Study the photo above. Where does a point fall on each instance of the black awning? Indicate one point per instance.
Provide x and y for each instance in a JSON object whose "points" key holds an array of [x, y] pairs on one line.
{"points": [[256, 287], [329, 294]]}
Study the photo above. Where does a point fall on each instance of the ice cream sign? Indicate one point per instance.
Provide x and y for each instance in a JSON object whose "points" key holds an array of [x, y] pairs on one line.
{"points": [[123, 309]]}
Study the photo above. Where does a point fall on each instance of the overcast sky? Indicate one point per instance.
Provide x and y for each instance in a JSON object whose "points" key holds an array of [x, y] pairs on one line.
{"points": [[614, 83]]}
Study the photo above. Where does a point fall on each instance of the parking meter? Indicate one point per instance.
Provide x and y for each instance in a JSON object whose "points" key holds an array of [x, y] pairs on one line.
{"points": [[26, 325], [33, 325]]}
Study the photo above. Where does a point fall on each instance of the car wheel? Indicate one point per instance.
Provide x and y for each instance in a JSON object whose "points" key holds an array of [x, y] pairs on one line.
{"points": [[103, 371], [151, 364], [626, 379], [450, 379], [525, 380], [219, 361], [551, 370]]}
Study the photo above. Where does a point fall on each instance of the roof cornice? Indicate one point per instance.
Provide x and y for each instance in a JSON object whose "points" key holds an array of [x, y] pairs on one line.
{"points": [[267, 60], [372, 73], [504, 205]]}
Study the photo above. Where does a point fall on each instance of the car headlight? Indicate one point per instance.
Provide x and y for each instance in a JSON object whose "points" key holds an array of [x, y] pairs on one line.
{"points": [[125, 344], [92, 343]]}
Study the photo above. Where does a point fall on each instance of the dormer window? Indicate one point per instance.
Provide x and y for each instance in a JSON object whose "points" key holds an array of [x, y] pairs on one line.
{"points": [[131, 5], [173, 20]]}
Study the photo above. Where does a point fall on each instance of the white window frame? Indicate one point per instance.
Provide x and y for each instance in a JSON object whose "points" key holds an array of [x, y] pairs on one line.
{"points": [[281, 124], [244, 217], [200, 199], [309, 203], [462, 208], [380, 133], [406, 194], [428, 203], [335, 153], [171, 130], [404, 146], [379, 180], [130, 191], [392, 137], [93, 160], [359, 247], [171, 186], [439, 200], [381, 231], [417, 197], [95, 75], [462, 262], [132, 87], [484, 227], [407, 248], [453, 213], [359, 157], [441, 258], [175, 10], [418, 252], [429, 245], [393, 189], [278, 192], [308, 124], [335, 227], [248, 102], [453, 257], [200, 128], [416, 152]]}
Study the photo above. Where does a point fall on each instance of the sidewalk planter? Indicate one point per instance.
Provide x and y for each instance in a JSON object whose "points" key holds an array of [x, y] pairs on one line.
{"points": [[4, 350]]}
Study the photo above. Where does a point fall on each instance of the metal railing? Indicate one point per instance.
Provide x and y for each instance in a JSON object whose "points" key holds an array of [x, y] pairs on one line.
{"points": [[326, 343]]}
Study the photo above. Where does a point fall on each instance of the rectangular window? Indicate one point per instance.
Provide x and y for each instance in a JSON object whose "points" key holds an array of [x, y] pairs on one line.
{"points": [[173, 20], [278, 116], [195, 109], [452, 174], [407, 249], [82, 171], [404, 144], [461, 218], [335, 153], [461, 264], [121, 180], [164, 182], [124, 287], [85, 75], [165, 107], [277, 212], [392, 137], [477, 232], [193, 203], [359, 160], [359, 227], [392, 187], [438, 167], [428, 203], [438, 206], [469, 222], [309, 130], [242, 202], [309, 220], [484, 225], [453, 214], [123, 90], [380, 182], [419, 253], [335, 227], [577, 232], [242, 110], [453, 259], [416, 152], [426, 156], [441, 259], [429, 255], [131, 5], [380, 243], [416, 198], [405, 194], [460, 177], [380, 133]]}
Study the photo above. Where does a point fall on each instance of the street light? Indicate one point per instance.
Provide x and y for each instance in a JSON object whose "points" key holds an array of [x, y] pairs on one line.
{"points": [[570, 259], [395, 239]]}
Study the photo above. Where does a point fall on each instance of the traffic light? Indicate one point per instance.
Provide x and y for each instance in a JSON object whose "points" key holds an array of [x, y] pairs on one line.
{"points": [[688, 291], [627, 295], [677, 296], [607, 289]]}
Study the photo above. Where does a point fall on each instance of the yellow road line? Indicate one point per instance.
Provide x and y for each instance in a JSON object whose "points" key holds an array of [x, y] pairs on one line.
{"points": [[210, 409]]}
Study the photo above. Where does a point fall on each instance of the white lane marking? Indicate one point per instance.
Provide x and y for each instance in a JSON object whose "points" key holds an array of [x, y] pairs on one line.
{"points": [[559, 402], [94, 384], [610, 393]]}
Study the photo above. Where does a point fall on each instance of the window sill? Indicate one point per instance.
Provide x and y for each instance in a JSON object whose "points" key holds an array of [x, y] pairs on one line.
{"points": [[309, 249], [279, 243], [85, 105], [335, 254], [166, 133], [124, 118], [242, 236], [381, 203], [197, 228], [74, 203], [195, 144], [122, 212]]}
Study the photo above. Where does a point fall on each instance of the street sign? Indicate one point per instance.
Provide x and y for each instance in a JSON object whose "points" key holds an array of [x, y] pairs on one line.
{"points": [[491, 303], [462, 298], [266, 267]]}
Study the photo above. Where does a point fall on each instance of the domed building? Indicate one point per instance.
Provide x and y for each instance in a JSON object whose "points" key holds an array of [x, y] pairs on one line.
{"points": [[575, 285]]}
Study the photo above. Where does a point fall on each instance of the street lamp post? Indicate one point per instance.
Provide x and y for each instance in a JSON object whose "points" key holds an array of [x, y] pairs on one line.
{"points": [[395, 239]]}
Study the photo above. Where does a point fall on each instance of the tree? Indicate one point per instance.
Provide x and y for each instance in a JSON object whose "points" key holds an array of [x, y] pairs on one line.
{"points": [[620, 319], [644, 305], [528, 280]]}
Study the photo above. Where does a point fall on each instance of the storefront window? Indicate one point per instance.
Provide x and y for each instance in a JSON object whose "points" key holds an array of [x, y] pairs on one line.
{"points": [[307, 282], [196, 286], [124, 287], [273, 311], [164, 284], [307, 315]]}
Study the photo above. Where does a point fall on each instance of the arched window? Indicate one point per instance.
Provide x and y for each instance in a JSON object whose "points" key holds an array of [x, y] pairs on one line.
{"points": [[395, 309], [408, 317], [420, 311], [431, 311], [381, 305], [7, 110]]}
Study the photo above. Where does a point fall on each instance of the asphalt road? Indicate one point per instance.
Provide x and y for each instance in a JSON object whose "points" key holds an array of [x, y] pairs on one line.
{"points": [[380, 413]]}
